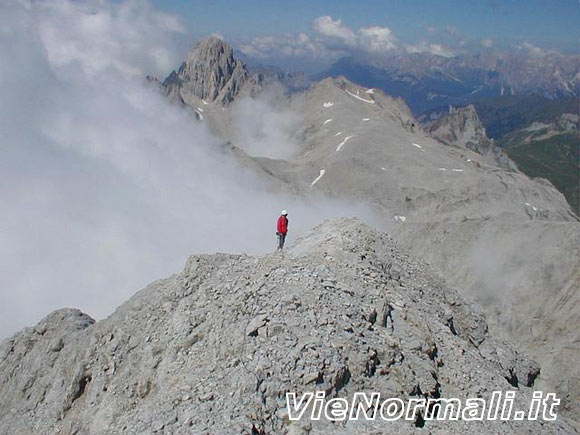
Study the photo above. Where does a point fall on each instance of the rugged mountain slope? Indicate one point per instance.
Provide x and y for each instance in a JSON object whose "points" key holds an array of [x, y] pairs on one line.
{"points": [[215, 348], [292, 81], [555, 158], [462, 128], [209, 74], [526, 275], [550, 150], [370, 146], [539, 135]]}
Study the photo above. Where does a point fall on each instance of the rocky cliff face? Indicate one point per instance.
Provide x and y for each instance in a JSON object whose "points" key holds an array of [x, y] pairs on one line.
{"points": [[209, 74], [214, 349], [463, 128]]}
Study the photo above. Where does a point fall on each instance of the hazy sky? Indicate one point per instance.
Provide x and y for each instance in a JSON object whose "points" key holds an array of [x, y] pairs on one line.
{"points": [[291, 33], [539, 21]]}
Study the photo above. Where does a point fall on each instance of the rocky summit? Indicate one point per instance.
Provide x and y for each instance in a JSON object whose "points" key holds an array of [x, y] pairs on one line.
{"points": [[463, 128], [216, 347], [209, 74]]}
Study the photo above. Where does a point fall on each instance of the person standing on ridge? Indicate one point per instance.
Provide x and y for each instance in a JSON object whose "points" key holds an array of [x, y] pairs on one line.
{"points": [[282, 229]]}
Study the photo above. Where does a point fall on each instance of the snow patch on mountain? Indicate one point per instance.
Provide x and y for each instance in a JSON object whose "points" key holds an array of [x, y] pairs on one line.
{"points": [[322, 172], [359, 97], [340, 145]]}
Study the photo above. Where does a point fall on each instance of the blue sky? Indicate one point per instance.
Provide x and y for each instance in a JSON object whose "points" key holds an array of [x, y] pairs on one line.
{"points": [[548, 24]]}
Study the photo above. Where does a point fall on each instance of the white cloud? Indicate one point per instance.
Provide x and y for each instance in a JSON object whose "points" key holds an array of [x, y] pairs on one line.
{"points": [[288, 45], [531, 49], [263, 126], [486, 43], [104, 185], [455, 37], [331, 39], [250, 50], [436, 49], [441, 50], [374, 39], [328, 27], [377, 39], [130, 37]]}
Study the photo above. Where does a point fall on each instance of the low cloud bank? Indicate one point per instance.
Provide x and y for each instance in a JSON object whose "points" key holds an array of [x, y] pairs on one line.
{"points": [[104, 185], [263, 126]]}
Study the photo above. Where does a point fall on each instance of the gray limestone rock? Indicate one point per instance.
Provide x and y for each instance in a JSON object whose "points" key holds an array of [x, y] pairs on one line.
{"points": [[215, 348], [209, 74], [463, 128]]}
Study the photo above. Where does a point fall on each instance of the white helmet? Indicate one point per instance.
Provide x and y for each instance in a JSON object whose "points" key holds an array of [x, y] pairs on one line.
{"points": [[284, 213]]}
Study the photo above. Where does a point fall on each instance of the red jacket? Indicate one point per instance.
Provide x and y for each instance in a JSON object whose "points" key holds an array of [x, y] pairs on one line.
{"points": [[283, 224]]}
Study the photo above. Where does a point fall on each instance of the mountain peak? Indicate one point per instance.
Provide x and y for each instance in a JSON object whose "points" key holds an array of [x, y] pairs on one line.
{"points": [[210, 73], [463, 128], [211, 47]]}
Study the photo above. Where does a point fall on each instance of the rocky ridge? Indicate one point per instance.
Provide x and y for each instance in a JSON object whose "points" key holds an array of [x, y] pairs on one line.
{"points": [[214, 349], [463, 128], [209, 74]]}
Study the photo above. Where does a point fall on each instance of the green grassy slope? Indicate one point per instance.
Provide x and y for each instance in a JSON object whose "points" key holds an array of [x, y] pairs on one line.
{"points": [[556, 159]]}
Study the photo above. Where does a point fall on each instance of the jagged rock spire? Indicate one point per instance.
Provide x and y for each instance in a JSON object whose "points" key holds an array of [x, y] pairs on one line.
{"points": [[210, 73], [463, 128]]}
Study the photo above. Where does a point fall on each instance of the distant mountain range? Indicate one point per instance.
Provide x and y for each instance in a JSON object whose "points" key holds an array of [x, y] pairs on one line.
{"points": [[429, 81]]}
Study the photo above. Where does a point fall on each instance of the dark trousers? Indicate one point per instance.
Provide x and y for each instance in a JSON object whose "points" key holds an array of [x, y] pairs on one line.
{"points": [[281, 240]]}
